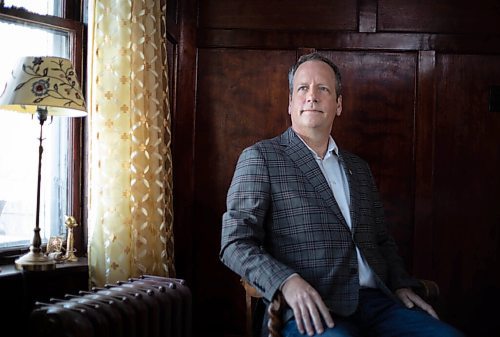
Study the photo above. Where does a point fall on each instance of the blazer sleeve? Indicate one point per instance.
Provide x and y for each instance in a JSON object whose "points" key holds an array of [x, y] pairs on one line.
{"points": [[244, 225]]}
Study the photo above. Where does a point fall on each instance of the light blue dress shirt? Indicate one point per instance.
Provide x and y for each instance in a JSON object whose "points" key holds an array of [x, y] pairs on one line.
{"points": [[337, 179]]}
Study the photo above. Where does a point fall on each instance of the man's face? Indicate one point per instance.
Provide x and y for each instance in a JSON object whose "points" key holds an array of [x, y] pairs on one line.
{"points": [[313, 103]]}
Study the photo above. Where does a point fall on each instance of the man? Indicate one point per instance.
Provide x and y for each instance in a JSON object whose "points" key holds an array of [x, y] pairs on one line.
{"points": [[304, 217]]}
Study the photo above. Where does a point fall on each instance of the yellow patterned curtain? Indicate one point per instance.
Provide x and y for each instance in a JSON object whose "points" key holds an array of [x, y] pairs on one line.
{"points": [[130, 164]]}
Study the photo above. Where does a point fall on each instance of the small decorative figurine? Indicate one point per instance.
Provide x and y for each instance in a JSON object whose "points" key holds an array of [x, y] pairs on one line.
{"points": [[55, 247], [70, 252]]}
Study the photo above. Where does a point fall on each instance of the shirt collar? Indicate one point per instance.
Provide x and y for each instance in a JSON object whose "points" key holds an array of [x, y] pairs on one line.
{"points": [[332, 148]]}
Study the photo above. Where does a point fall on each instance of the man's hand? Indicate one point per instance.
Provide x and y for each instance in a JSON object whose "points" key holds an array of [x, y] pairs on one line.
{"points": [[410, 299], [308, 308]]}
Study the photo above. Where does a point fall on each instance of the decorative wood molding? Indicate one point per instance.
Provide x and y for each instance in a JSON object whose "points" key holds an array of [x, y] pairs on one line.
{"points": [[257, 39], [367, 16], [424, 162]]}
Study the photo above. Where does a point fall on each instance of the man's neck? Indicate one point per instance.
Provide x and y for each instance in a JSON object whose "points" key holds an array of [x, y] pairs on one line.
{"points": [[317, 141]]}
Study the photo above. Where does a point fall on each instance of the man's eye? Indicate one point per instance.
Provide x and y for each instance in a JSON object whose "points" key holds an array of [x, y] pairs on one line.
{"points": [[324, 89], [301, 88]]}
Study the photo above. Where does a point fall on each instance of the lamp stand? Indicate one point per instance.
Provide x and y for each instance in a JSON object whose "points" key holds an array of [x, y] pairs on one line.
{"points": [[35, 260]]}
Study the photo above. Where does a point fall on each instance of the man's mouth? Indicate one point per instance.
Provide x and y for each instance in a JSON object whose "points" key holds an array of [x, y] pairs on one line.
{"points": [[311, 110]]}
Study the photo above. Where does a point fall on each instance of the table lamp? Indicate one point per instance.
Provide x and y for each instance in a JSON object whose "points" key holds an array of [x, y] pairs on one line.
{"points": [[42, 86]]}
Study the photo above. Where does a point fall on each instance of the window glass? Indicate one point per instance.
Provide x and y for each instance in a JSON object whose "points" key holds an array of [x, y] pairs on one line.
{"points": [[43, 7], [19, 133]]}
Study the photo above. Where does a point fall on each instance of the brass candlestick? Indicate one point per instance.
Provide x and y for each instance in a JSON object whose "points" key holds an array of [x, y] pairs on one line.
{"points": [[70, 253]]}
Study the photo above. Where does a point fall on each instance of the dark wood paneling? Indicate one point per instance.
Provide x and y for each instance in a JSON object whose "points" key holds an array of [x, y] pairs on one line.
{"points": [[377, 123], [442, 16], [226, 38], [172, 69], [466, 193], [183, 133], [278, 14], [242, 98], [173, 11], [424, 178], [367, 16], [410, 110]]}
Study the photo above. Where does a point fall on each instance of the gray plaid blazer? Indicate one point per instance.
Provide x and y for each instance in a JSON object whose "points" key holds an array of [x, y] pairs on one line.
{"points": [[282, 218]]}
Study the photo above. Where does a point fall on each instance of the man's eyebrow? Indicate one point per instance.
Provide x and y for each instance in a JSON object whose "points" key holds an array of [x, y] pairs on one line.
{"points": [[316, 84]]}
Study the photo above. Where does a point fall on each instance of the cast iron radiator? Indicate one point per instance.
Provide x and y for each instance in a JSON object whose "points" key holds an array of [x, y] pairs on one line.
{"points": [[148, 306]]}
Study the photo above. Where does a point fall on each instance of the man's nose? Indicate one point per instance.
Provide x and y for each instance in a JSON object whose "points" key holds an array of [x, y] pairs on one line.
{"points": [[311, 96]]}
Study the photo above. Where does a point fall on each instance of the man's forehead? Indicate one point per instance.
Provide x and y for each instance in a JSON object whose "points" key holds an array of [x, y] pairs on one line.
{"points": [[303, 71]]}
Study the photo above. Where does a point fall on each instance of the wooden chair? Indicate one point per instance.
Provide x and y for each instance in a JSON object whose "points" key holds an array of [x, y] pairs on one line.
{"points": [[429, 291]]}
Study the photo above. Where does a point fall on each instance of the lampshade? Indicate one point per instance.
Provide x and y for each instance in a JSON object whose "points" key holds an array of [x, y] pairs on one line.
{"points": [[48, 82]]}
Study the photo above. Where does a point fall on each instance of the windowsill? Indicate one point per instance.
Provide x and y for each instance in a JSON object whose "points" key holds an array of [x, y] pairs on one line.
{"points": [[9, 270]]}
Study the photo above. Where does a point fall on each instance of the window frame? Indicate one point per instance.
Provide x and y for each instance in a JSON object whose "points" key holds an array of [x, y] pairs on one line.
{"points": [[76, 30]]}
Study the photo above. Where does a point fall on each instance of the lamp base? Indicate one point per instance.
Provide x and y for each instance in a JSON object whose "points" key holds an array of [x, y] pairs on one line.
{"points": [[35, 262]]}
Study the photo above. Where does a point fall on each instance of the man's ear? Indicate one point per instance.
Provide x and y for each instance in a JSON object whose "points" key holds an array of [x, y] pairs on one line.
{"points": [[339, 105], [289, 104]]}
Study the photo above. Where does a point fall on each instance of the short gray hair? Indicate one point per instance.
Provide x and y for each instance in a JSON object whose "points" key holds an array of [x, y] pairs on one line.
{"points": [[316, 57]]}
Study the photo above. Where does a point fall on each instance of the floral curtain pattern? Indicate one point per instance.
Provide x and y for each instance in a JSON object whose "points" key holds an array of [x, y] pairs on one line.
{"points": [[130, 165]]}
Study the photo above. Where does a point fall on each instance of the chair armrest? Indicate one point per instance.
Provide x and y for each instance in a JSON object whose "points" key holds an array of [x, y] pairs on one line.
{"points": [[429, 290], [250, 290], [275, 323]]}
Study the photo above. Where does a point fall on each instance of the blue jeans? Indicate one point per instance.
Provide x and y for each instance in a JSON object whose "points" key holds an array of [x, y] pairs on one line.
{"points": [[378, 315]]}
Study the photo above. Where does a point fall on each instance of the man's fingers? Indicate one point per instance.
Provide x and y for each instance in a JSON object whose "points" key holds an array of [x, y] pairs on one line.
{"points": [[327, 317], [303, 319], [306, 318], [410, 299], [311, 313], [403, 296], [298, 319], [431, 312], [408, 302], [316, 320], [319, 314], [425, 306], [310, 316]]}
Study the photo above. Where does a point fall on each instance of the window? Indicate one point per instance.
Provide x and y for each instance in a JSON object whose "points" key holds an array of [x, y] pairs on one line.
{"points": [[38, 29]]}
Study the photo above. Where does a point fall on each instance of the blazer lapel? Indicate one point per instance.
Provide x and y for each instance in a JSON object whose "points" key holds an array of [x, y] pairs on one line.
{"points": [[353, 189], [298, 152]]}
